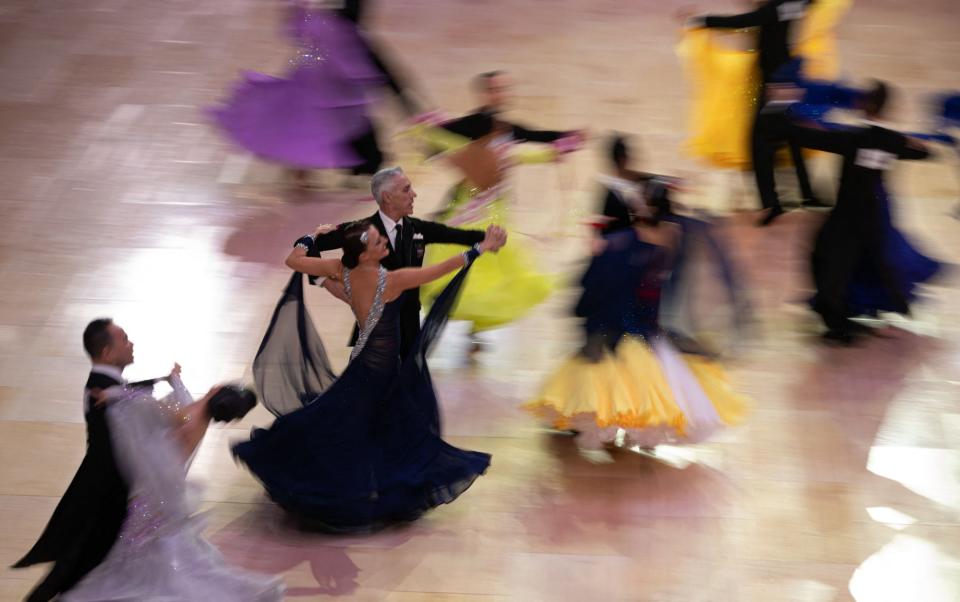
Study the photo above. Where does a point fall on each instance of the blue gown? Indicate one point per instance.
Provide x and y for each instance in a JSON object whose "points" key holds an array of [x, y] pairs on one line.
{"points": [[365, 451], [869, 292], [908, 267]]}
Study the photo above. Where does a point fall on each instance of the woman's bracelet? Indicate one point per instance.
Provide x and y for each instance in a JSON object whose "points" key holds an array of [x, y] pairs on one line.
{"points": [[472, 253], [304, 242]]}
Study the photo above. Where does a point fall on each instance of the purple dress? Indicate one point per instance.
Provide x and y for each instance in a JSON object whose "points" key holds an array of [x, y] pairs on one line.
{"points": [[309, 119]]}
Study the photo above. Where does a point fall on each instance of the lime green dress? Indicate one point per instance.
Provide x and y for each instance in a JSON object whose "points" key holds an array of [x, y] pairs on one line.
{"points": [[506, 285]]}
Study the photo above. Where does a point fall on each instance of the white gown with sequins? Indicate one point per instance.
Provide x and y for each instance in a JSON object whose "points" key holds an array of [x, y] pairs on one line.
{"points": [[161, 555]]}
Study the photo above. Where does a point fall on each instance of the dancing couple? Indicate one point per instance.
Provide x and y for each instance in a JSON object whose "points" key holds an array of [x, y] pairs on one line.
{"points": [[318, 115], [125, 529], [361, 451], [635, 381], [862, 264]]}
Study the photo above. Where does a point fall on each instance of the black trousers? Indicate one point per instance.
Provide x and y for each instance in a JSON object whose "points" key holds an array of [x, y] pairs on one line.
{"points": [[770, 132], [366, 144], [394, 81]]}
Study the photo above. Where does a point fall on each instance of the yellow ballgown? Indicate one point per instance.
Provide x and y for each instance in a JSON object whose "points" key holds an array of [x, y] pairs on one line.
{"points": [[726, 82], [648, 390], [643, 392]]}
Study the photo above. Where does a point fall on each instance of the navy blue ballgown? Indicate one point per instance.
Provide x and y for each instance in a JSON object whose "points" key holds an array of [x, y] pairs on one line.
{"points": [[363, 450], [908, 267]]}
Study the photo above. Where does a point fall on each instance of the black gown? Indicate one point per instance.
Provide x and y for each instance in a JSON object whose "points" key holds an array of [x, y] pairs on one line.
{"points": [[364, 450]]}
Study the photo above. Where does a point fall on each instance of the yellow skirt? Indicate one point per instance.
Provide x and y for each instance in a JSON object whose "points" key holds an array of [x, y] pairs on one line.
{"points": [[501, 287], [725, 84], [651, 391]]}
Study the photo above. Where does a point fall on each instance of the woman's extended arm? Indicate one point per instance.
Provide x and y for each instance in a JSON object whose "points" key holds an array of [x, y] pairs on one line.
{"points": [[408, 278]]}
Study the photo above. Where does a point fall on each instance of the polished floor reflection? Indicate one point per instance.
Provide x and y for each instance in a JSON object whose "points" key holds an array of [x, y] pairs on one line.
{"points": [[119, 199]]}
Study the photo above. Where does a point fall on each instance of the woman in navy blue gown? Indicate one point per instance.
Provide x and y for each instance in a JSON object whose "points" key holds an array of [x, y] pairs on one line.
{"points": [[361, 451]]}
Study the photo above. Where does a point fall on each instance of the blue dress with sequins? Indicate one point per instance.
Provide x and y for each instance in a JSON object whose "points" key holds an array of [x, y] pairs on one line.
{"points": [[365, 451]]}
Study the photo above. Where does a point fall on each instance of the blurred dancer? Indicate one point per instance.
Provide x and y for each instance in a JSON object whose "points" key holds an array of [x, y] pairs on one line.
{"points": [[629, 194], [483, 147], [494, 91], [318, 115], [160, 553], [738, 76], [87, 521], [861, 263], [395, 79], [947, 117], [123, 530], [629, 384], [625, 187]]}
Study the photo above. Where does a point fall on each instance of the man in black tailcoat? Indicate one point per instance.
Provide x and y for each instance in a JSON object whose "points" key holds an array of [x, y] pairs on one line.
{"points": [[408, 237], [88, 518], [854, 233]]}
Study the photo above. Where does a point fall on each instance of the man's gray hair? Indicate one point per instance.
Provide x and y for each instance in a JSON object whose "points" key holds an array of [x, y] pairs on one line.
{"points": [[381, 180]]}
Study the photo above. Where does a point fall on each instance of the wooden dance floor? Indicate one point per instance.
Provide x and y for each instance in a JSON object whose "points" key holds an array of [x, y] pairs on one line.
{"points": [[119, 199]]}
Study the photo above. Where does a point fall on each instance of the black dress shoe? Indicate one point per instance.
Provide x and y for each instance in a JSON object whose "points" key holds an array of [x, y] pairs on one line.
{"points": [[772, 214]]}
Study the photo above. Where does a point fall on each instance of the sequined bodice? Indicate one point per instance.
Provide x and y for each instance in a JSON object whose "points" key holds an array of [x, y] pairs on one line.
{"points": [[310, 27], [378, 343]]}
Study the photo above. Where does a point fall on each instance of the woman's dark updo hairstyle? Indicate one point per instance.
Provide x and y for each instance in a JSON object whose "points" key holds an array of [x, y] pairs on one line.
{"points": [[352, 245]]}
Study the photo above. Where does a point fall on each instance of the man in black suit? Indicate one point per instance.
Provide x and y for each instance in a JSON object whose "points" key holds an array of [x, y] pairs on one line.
{"points": [[854, 232], [408, 237], [775, 20], [88, 518], [493, 89]]}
